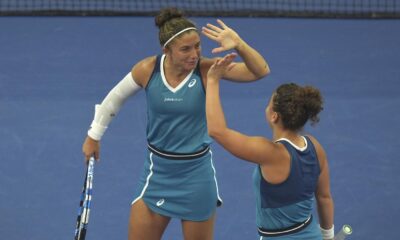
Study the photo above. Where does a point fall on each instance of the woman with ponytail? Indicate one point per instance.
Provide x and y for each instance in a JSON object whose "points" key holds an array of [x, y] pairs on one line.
{"points": [[292, 168], [179, 178]]}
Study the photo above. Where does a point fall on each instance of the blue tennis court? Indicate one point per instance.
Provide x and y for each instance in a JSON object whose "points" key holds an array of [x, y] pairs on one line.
{"points": [[54, 69]]}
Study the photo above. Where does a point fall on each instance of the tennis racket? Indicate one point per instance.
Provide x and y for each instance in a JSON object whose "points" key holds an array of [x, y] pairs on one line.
{"points": [[344, 232], [84, 205]]}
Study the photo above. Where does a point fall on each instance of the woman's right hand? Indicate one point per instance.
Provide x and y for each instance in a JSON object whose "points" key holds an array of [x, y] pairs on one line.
{"points": [[90, 148], [220, 66]]}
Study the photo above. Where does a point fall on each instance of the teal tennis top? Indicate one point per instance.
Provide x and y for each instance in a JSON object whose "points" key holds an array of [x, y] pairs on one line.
{"points": [[176, 116]]}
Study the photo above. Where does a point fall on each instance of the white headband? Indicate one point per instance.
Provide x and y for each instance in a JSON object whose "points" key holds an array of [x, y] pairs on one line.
{"points": [[176, 34]]}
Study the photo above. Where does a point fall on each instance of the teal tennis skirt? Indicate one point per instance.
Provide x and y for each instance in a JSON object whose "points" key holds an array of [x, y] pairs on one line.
{"points": [[186, 189]]}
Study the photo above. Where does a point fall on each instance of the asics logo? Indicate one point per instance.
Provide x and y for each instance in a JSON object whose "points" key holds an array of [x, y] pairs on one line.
{"points": [[192, 83], [160, 202]]}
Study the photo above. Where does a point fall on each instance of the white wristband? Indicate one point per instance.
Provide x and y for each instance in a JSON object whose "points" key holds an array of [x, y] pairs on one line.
{"points": [[328, 233]]}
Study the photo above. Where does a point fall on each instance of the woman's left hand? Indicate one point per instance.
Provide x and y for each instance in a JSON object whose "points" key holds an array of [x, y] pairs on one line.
{"points": [[225, 36]]}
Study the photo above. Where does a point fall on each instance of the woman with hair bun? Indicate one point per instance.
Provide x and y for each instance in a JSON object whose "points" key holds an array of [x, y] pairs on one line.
{"points": [[292, 169], [179, 179]]}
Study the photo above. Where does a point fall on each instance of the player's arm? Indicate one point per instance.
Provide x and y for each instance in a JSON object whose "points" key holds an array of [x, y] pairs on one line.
{"points": [[112, 103], [253, 67], [323, 194], [105, 112], [253, 149]]}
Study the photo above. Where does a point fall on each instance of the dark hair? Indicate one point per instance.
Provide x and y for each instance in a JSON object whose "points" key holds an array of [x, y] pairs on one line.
{"points": [[171, 21], [296, 105]]}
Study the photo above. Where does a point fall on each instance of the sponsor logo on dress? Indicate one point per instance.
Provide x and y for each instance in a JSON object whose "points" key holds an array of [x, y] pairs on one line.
{"points": [[160, 202], [169, 99], [192, 83]]}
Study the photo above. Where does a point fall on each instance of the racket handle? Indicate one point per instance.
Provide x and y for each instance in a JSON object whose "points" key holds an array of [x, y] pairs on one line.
{"points": [[344, 232], [91, 164], [92, 159], [81, 235]]}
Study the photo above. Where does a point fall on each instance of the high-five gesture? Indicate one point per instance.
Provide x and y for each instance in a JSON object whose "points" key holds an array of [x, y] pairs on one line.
{"points": [[220, 66], [225, 36], [253, 65]]}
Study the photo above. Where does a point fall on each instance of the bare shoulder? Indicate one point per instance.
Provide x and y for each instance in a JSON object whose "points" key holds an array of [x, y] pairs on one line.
{"points": [[315, 142], [142, 71], [319, 149], [264, 151]]}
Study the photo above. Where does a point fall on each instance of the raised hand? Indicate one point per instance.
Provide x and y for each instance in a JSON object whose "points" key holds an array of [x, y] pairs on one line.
{"points": [[220, 66], [225, 36]]}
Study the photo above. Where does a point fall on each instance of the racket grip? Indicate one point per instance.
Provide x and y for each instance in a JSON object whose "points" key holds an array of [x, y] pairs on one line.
{"points": [[344, 232], [91, 164], [82, 235]]}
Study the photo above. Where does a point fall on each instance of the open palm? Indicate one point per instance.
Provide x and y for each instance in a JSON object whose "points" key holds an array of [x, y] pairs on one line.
{"points": [[225, 36]]}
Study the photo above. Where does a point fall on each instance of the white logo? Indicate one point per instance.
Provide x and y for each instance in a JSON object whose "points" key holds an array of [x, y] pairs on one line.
{"points": [[168, 99], [192, 82], [160, 202]]}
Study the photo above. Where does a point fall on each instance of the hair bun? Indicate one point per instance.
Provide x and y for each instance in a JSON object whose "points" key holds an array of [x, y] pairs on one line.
{"points": [[312, 102], [166, 15]]}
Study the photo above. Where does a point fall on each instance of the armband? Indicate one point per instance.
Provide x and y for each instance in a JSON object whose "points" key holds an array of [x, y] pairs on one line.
{"points": [[112, 103]]}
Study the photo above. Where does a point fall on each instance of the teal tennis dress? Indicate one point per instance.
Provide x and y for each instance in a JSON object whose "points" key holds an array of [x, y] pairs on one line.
{"points": [[179, 178], [284, 211]]}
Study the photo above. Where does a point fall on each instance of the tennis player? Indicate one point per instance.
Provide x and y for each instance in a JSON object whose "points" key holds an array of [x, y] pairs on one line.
{"points": [[179, 179], [292, 168]]}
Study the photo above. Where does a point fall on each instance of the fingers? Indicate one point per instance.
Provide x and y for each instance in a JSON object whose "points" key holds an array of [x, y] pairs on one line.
{"points": [[213, 31], [231, 56], [220, 66], [225, 62], [227, 59], [91, 148], [88, 153], [214, 28], [96, 155], [218, 50], [209, 33], [223, 25]]}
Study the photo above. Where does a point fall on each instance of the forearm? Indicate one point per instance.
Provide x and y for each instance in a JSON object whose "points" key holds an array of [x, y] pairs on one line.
{"points": [[325, 212], [110, 106], [253, 60], [215, 116]]}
